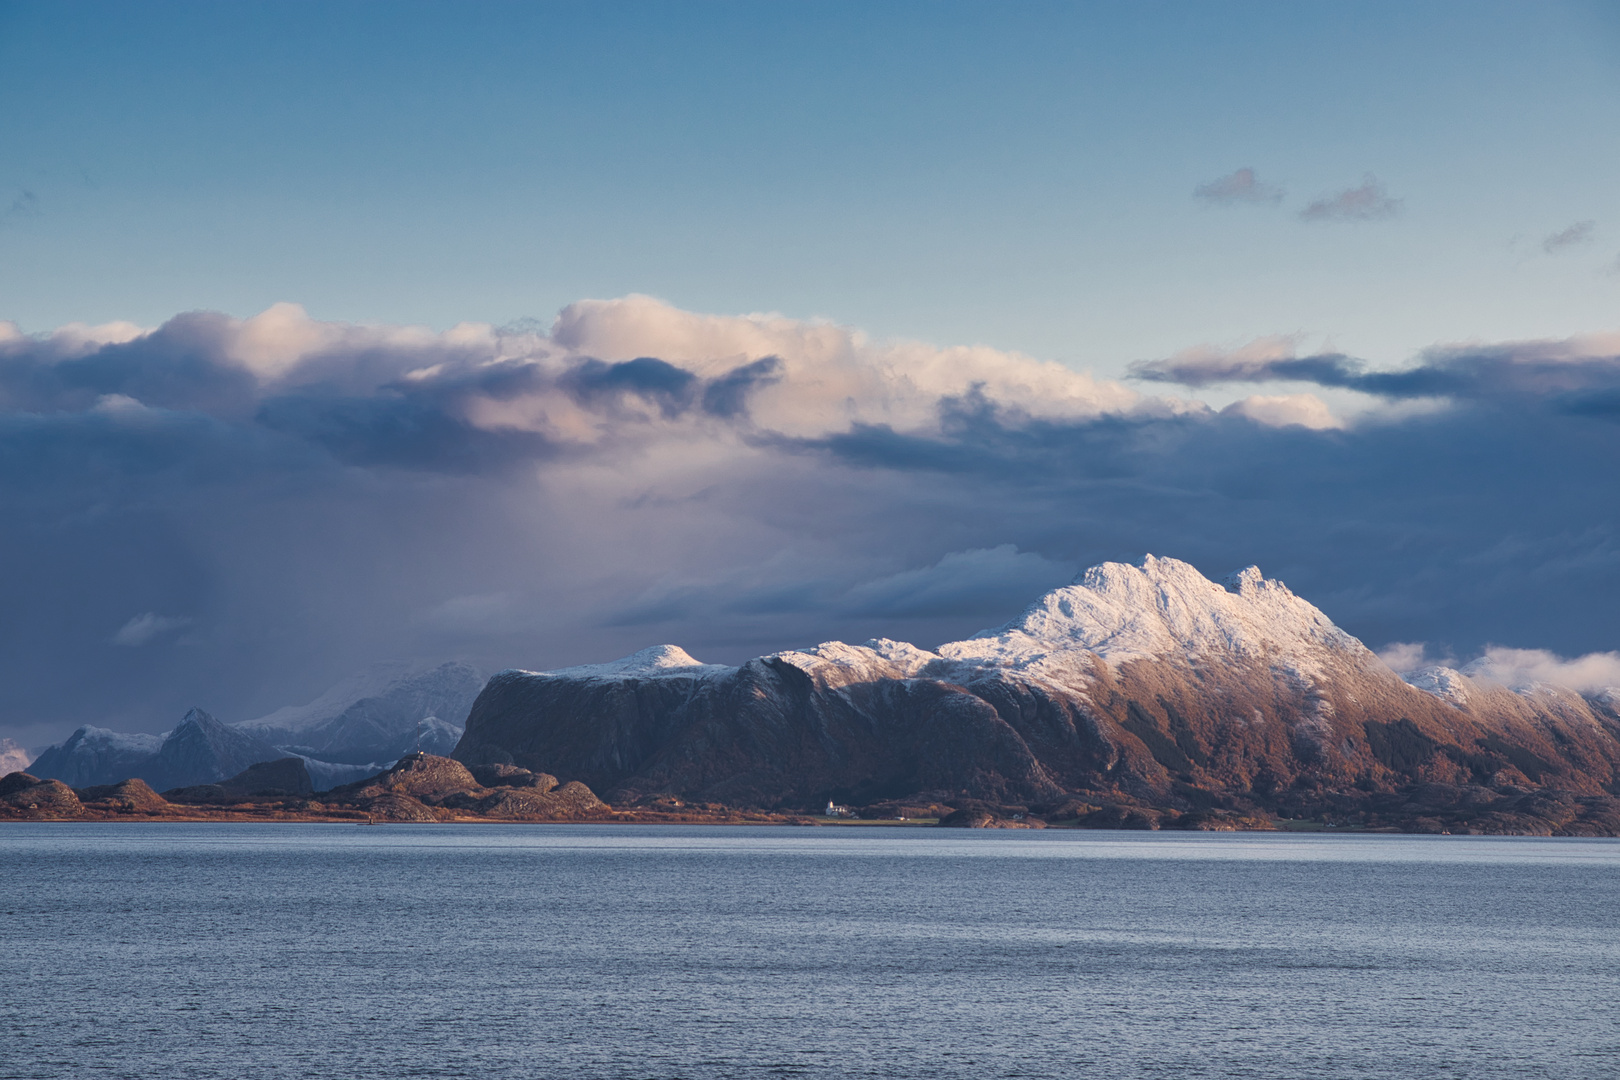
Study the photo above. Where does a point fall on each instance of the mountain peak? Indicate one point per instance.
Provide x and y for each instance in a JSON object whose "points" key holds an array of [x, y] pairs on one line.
{"points": [[196, 718], [1159, 609], [1247, 581]]}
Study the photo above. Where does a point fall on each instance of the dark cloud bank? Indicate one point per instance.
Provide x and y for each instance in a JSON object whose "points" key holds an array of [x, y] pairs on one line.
{"points": [[233, 513]]}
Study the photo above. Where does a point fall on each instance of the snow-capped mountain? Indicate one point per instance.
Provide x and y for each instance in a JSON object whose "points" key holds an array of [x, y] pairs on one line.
{"points": [[93, 755], [377, 715], [199, 750], [356, 729], [1148, 683]]}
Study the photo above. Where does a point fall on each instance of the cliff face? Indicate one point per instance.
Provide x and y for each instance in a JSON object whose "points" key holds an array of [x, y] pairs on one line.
{"points": [[1146, 686]]}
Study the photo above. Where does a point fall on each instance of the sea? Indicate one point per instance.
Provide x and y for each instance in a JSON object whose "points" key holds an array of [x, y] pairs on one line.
{"points": [[493, 951]]}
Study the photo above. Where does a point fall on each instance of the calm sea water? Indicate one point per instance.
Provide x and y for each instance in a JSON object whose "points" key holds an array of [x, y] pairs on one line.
{"points": [[174, 951]]}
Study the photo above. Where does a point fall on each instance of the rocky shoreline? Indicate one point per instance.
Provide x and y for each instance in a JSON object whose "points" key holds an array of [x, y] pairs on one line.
{"points": [[425, 788]]}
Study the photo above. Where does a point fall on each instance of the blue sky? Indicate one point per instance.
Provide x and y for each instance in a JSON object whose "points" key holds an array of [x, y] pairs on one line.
{"points": [[335, 333], [1019, 175]]}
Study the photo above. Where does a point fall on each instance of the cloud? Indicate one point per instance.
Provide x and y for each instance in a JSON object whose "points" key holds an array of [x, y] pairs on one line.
{"points": [[147, 627], [1576, 375], [325, 495], [1405, 656], [1579, 233], [1517, 669], [1522, 668], [13, 758], [1281, 410], [1369, 201], [24, 205], [1241, 186]]}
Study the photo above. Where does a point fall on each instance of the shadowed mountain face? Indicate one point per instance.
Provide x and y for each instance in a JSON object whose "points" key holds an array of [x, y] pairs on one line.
{"points": [[1147, 686], [377, 716], [354, 730], [200, 750]]}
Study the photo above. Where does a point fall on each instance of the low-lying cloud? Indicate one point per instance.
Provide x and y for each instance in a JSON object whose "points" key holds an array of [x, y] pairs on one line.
{"points": [[1523, 668], [1516, 669], [317, 496]]}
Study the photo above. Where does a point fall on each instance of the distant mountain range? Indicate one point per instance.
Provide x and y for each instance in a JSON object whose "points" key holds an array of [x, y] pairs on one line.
{"points": [[1138, 696], [1141, 695], [357, 729]]}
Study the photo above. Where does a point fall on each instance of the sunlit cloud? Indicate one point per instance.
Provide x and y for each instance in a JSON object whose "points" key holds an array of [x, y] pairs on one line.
{"points": [[324, 495]]}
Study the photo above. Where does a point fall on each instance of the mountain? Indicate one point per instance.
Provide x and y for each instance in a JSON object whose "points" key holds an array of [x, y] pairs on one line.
{"points": [[377, 715], [356, 729], [200, 750], [93, 756], [1140, 695]]}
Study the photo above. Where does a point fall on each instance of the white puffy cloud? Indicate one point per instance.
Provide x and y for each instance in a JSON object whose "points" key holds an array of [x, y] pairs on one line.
{"points": [[13, 758], [1405, 656], [1518, 668], [832, 376]]}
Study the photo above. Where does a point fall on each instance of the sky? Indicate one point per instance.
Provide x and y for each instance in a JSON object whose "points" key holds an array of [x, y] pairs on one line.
{"points": [[536, 334]]}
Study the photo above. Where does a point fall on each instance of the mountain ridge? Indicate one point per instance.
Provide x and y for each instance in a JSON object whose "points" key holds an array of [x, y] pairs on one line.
{"points": [[1147, 686]]}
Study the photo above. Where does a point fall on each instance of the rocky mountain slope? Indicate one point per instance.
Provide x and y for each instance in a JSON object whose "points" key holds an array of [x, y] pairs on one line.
{"points": [[1139, 695], [378, 715]]}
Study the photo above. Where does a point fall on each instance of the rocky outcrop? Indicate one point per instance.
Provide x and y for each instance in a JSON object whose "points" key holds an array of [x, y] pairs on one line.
{"points": [[420, 788], [125, 797], [572, 801], [1148, 694], [512, 776], [25, 796], [441, 788]]}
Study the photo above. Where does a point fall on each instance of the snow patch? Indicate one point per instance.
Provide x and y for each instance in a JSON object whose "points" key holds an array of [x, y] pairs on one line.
{"points": [[1442, 682], [660, 661], [89, 739], [372, 682]]}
